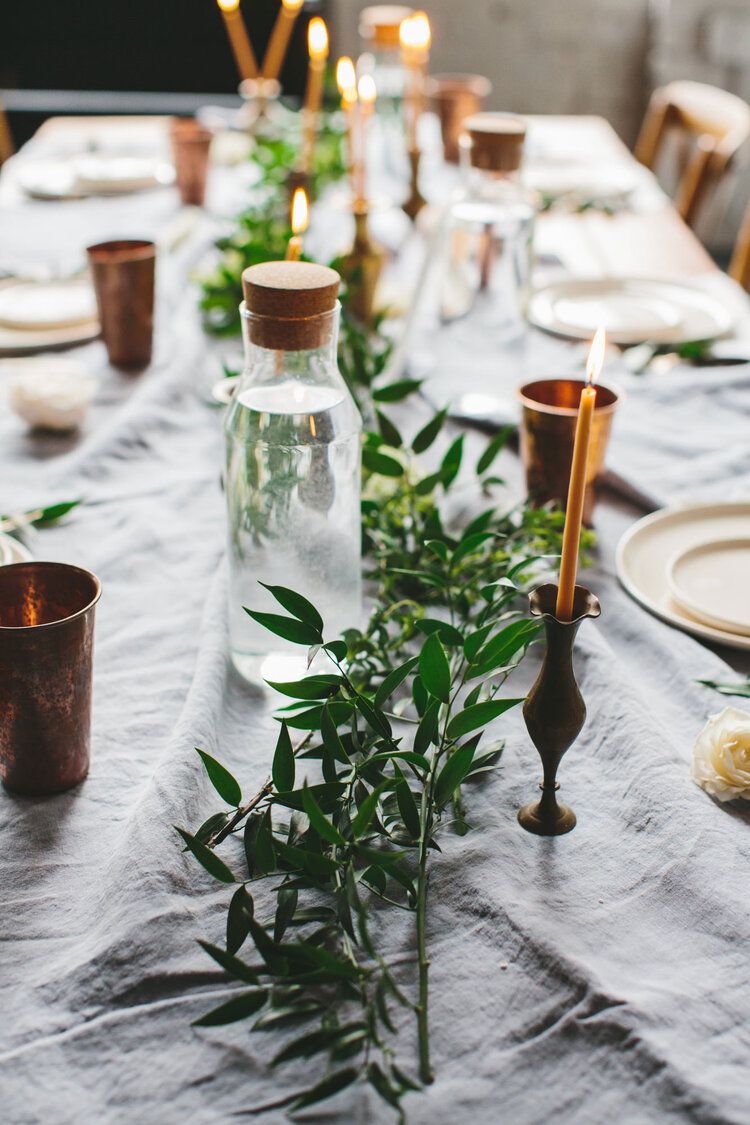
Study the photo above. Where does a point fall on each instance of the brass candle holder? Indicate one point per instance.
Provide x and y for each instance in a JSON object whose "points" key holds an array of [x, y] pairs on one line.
{"points": [[362, 266], [554, 710], [415, 200]]}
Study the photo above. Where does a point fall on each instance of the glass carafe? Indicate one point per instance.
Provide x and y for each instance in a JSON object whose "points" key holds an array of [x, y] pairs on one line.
{"points": [[293, 447]]}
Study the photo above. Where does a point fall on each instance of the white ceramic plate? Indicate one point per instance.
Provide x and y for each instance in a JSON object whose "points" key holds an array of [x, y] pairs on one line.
{"points": [[29, 340], [632, 310], [39, 305], [645, 552], [581, 181], [712, 582], [11, 551], [78, 177]]}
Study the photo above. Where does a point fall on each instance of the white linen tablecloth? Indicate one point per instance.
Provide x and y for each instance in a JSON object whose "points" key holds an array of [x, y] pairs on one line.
{"points": [[597, 976]]}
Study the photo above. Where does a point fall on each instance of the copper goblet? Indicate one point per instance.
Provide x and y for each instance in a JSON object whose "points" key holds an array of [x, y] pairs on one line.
{"points": [[46, 648], [550, 412], [456, 97], [123, 273], [190, 142]]}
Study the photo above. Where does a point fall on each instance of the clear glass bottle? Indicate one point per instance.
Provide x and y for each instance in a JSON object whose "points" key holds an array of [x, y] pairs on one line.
{"points": [[293, 448], [487, 258]]}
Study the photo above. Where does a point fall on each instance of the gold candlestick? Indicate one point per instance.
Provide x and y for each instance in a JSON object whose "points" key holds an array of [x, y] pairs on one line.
{"points": [[415, 200], [239, 40], [362, 266], [280, 36]]}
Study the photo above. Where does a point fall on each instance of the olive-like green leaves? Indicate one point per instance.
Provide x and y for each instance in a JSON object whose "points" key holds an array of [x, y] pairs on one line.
{"points": [[225, 785], [282, 770], [434, 669]]}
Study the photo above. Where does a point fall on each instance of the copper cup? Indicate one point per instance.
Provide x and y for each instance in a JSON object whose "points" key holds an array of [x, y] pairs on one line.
{"points": [[46, 647], [550, 412], [123, 273], [190, 147], [456, 97]]}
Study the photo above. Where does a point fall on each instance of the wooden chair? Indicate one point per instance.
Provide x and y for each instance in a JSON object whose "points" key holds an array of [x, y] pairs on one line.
{"points": [[7, 147], [739, 267], [712, 123]]}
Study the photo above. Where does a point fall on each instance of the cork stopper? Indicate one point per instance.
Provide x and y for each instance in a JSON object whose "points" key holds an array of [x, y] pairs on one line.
{"points": [[495, 141], [379, 24], [288, 302]]}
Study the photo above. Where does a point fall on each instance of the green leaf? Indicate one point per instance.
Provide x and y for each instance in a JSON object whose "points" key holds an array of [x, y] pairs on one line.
{"points": [[373, 717], [340, 711], [366, 811], [740, 689], [208, 859], [265, 855], [428, 727], [239, 1008], [393, 680], [282, 770], [471, 718], [330, 737], [298, 606], [211, 826], [428, 433], [312, 687], [311, 1044], [222, 780], [53, 513], [470, 544], [230, 964], [453, 773], [286, 904], [337, 649], [396, 392], [494, 448], [434, 669], [500, 649], [474, 641], [388, 431], [326, 1088], [298, 632], [448, 634], [382, 1085], [319, 866], [439, 548], [325, 829], [407, 806], [427, 484], [238, 915], [381, 463], [451, 463]]}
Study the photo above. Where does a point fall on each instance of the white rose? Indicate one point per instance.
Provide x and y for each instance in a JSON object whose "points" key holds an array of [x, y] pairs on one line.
{"points": [[721, 755]]}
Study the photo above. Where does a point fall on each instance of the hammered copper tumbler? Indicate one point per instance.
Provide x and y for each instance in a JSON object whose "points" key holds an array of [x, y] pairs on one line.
{"points": [[46, 647], [123, 274], [190, 148], [456, 97], [550, 413]]}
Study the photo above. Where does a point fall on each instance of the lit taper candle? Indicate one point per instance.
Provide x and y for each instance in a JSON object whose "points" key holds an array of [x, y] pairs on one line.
{"points": [[239, 40], [415, 37], [577, 486], [300, 223], [317, 47], [280, 36]]}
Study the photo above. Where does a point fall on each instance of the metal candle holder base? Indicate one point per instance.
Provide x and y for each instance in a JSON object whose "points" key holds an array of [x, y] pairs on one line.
{"points": [[416, 200], [361, 268], [554, 710]]}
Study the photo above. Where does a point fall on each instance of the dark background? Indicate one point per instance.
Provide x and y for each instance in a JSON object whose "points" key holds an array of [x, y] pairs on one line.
{"points": [[150, 45]]}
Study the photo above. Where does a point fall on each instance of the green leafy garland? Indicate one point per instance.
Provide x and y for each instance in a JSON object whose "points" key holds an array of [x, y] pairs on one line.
{"points": [[373, 751]]}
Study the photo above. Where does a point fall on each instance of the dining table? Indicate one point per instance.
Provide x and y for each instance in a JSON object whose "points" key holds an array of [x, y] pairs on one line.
{"points": [[599, 975]]}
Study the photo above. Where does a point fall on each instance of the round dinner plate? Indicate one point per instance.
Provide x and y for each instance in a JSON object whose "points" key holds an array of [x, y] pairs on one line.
{"points": [[11, 551], [581, 181], [632, 310], [28, 340], [712, 582], [646, 550], [78, 177], [39, 305]]}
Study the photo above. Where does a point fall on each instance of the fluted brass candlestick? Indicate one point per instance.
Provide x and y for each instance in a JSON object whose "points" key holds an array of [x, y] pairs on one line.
{"points": [[416, 200], [554, 710], [362, 266]]}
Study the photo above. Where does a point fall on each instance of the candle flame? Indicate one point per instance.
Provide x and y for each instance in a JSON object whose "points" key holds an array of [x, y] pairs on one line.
{"points": [[228, 5], [595, 360], [292, 5], [300, 211], [317, 39], [346, 79], [367, 90], [414, 33]]}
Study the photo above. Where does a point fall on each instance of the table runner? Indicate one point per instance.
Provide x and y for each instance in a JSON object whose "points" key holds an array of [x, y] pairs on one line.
{"points": [[600, 974]]}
